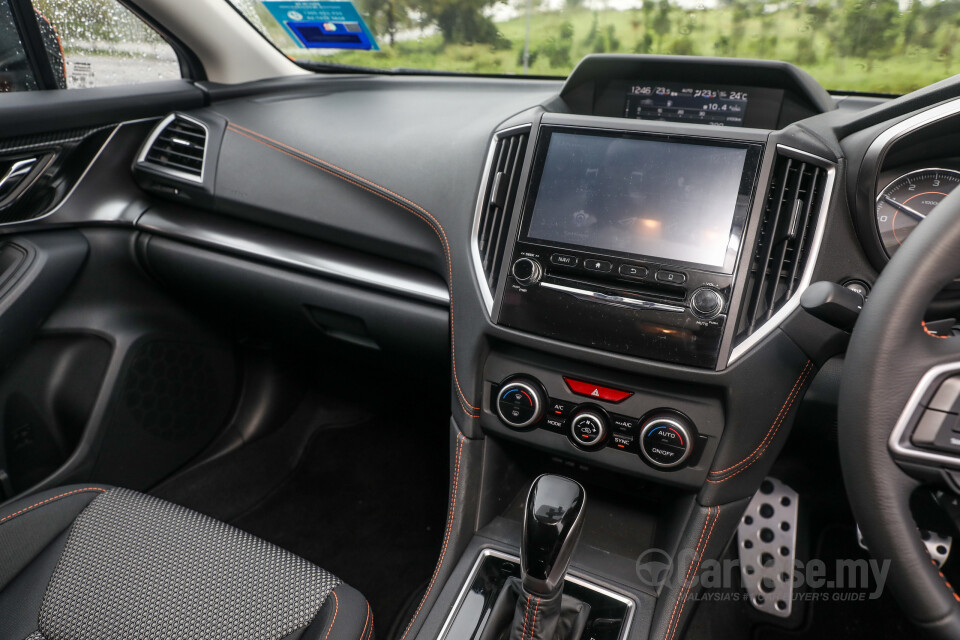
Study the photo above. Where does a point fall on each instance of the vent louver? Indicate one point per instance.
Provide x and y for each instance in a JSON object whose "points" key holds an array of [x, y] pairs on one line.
{"points": [[786, 234], [179, 148], [502, 185]]}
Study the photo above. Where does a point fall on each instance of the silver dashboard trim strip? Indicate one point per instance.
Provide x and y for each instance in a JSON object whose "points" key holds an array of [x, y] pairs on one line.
{"points": [[571, 577], [793, 303], [475, 258], [619, 301], [335, 263], [908, 413], [174, 173]]}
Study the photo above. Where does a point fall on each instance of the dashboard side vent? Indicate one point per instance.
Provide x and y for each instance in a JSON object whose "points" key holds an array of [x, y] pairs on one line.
{"points": [[497, 202], [178, 148], [784, 242]]}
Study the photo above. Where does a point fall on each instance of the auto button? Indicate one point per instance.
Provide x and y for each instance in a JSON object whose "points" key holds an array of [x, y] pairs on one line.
{"points": [[665, 441]]}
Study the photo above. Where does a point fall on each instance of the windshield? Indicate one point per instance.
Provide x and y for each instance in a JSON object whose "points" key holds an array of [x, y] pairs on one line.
{"points": [[873, 46]]}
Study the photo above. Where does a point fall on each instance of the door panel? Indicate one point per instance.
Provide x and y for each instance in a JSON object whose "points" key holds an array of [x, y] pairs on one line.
{"points": [[102, 375]]}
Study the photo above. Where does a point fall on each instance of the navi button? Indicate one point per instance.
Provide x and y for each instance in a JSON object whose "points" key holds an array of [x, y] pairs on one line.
{"points": [[564, 260]]}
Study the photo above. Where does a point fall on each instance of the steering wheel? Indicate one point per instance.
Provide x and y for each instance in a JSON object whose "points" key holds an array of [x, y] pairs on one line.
{"points": [[892, 368]]}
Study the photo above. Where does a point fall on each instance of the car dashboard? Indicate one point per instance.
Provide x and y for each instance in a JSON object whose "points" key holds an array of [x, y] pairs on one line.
{"points": [[613, 265]]}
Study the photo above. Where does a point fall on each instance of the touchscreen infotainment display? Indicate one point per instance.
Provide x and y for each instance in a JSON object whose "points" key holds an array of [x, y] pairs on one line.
{"points": [[677, 200]]}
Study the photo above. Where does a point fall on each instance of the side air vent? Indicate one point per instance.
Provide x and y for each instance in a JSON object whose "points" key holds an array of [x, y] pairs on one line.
{"points": [[497, 198], [786, 239], [177, 148]]}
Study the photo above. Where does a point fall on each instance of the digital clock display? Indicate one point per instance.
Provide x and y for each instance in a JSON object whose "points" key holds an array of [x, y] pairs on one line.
{"points": [[679, 103]]}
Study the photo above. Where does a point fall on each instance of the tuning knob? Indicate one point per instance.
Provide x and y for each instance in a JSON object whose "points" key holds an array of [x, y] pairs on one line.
{"points": [[527, 271]]}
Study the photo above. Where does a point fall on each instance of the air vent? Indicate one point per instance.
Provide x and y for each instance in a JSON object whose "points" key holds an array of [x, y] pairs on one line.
{"points": [[178, 148], [496, 205], [785, 241]]}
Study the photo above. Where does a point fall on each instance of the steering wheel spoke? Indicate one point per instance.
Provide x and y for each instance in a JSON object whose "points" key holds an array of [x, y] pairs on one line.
{"points": [[928, 429]]}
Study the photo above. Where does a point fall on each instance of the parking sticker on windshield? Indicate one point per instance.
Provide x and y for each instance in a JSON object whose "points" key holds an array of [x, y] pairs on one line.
{"points": [[322, 25]]}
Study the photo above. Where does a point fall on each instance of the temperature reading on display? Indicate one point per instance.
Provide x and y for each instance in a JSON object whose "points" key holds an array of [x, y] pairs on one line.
{"points": [[677, 103]]}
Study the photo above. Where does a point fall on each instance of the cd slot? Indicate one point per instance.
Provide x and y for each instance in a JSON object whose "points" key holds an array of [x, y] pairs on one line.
{"points": [[644, 290]]}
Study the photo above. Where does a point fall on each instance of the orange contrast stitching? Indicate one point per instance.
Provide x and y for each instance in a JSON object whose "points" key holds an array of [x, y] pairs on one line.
{"points": [[533, 627], [336, 608], [686, 576], [40, 504], [446, 536], [754, 455], [413, 208], [703, 552], [931, 333], [526, 616], [363, 632]]}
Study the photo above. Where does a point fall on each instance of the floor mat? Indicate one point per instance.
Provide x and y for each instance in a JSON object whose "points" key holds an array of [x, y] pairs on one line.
{"points": [[350, 487]]}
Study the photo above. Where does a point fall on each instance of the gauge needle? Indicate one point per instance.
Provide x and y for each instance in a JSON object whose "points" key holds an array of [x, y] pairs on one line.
{"points": [[907, 210]]}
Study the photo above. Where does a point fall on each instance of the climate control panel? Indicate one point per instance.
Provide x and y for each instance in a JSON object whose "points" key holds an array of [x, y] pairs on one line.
{"points": [[663, 438]]}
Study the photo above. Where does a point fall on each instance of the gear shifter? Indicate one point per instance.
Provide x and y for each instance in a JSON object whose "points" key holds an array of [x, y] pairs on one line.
{"points": [[552, 523], [535, 608]]}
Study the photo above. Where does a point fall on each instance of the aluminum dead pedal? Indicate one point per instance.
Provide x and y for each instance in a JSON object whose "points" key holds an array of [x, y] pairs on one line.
{"points": [[767, 543], [938, 546]]}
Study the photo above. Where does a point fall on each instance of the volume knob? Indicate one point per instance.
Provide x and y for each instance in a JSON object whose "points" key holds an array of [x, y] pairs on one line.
{"points": [[707, 302], [527, 271]]}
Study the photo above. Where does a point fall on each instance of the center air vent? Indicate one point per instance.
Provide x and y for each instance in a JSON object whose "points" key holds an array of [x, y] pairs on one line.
{"points": [[178, 148], [785, 241], [497, 199]]}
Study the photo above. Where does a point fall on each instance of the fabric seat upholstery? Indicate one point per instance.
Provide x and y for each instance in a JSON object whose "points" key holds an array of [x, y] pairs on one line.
{"points": [[92, 562]]}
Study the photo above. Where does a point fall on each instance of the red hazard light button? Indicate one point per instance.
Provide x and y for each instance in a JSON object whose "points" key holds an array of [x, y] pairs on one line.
{"points": [[596, 391]]}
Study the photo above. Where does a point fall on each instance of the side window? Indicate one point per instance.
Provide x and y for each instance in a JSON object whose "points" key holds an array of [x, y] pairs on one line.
{"points": [[15, 71], [88, 43]]}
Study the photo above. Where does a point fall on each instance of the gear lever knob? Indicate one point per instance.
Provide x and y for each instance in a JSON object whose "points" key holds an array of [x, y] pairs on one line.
{"points": [[552, 523]]}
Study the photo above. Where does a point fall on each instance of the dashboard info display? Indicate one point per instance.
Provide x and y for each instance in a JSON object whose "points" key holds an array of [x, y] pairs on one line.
{"points": [[658, 198], [678, 103]]}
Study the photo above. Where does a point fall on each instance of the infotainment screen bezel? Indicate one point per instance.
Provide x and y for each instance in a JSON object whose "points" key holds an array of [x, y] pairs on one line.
{"points": [[747, 189]]}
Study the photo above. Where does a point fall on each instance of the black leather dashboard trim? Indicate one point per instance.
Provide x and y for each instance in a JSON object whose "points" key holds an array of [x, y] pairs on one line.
{"points": [[406, 204]]}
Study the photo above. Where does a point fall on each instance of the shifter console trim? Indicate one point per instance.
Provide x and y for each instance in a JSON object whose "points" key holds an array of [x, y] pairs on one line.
{"points": [[592, 585]]}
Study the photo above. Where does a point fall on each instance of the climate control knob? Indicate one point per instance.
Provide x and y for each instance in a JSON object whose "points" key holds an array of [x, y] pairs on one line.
{"points": [[666, 440], [707, 302], [527, 271], [520, 403], [588, 428]]}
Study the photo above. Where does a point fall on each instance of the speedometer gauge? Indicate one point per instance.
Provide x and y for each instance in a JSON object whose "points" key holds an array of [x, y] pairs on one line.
{"points": [[909, 199]]}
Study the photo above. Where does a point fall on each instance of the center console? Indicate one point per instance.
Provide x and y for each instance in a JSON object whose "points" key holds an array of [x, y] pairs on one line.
{"points": [[638, 269]]}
